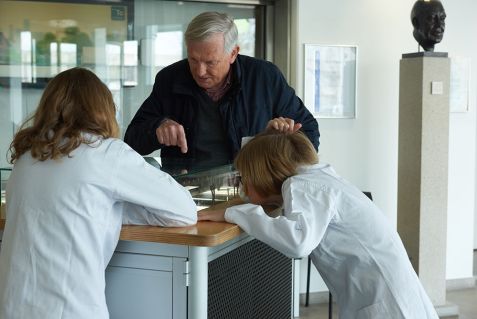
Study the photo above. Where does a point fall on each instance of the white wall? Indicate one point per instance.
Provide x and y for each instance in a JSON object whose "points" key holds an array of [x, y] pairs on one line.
{"points": [[462, 159], [364, 150]]}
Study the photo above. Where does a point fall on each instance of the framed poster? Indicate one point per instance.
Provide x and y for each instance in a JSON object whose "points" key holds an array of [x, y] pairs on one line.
{"points": [[330, 80]]}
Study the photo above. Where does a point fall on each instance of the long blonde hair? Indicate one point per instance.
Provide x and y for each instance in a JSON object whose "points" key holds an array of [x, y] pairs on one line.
{"points": [[74, 101], [271, 157]]}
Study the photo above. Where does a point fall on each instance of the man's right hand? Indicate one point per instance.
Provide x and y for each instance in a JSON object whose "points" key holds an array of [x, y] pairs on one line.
{"points": [[171, 133]]}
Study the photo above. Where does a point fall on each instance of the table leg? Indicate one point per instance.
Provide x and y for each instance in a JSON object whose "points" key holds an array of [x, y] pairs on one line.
{"points": [[296, 288], [198, 288]]}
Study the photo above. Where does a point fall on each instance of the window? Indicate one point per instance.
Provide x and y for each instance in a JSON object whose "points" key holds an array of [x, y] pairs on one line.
{"points": [[124, 42]]}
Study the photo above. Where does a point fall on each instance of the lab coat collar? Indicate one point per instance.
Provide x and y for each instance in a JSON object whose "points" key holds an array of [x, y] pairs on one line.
{"points": [[310, 168], [90, 137]]}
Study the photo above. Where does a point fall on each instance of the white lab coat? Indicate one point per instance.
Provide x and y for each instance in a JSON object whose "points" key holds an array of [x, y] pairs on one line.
{"points": [[63, 223], [359, 256]]}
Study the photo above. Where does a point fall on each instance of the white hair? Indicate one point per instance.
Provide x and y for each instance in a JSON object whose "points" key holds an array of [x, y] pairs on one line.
{"points": [[207, 24]]}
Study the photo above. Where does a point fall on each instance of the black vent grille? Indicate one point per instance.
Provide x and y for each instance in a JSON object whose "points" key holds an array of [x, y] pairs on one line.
{"points": [[253, 281]]}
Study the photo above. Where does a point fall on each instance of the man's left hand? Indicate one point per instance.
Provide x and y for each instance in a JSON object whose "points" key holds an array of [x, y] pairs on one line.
{"points": [[283, 124]]}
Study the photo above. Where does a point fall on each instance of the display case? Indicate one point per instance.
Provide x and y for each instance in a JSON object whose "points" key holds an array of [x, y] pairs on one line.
{"points": [[208, 183], [211, 274]]}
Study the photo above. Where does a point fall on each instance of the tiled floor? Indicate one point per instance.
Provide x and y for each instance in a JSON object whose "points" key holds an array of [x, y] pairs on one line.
{"points": [[466, 300]]}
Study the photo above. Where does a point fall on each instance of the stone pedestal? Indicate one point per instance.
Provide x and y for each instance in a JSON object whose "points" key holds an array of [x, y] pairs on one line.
{"points": [[423, 167]]}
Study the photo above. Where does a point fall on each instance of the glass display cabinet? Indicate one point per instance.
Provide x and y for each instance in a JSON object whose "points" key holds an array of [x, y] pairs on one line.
{"points": [[208, 185], [210, 270]]}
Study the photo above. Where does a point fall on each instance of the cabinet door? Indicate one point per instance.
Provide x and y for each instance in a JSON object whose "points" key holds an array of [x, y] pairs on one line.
{"points": [[138, 293]]}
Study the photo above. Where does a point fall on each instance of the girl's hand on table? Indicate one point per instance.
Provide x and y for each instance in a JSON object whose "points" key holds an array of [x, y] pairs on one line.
{"points": [[216, 215]]}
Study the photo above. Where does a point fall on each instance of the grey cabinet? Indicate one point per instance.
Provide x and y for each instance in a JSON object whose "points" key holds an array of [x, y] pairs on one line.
{"points": [[241, 278], [147, 281], [132, 290]]}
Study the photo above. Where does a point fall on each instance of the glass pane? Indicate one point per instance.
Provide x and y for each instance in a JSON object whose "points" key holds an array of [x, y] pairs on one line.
{"points": [[124, 42]]}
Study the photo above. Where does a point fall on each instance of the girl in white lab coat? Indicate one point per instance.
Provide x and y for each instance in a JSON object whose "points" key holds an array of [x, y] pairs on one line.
{"points": [[359, 256], [72, 186]]}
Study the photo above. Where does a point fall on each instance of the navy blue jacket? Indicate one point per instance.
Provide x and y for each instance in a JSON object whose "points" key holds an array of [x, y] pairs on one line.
{"points": [[258, 94]]}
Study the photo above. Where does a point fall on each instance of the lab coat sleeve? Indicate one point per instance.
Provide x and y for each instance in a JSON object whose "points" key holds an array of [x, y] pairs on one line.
{"points": [[307, 214], [152, 197]]}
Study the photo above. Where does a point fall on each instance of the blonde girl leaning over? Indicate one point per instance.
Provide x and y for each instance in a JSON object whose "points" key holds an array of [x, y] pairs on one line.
{"points": [[360, 257]]}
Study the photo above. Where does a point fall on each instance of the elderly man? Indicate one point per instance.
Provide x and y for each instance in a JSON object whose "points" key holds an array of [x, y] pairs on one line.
{"points": [[201, 107], [428, 18]]}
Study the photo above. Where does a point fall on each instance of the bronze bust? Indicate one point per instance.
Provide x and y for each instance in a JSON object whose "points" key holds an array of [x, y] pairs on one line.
{"points": [[428, 18]]}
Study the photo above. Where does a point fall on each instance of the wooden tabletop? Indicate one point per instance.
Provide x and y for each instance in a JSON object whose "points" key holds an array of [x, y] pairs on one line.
{"points": [[204, 233]]}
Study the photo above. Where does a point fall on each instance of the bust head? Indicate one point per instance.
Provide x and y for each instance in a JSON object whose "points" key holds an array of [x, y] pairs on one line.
{"points": [[428, 18]]}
